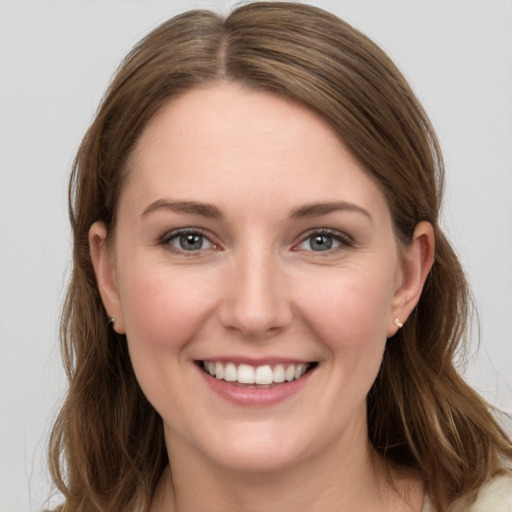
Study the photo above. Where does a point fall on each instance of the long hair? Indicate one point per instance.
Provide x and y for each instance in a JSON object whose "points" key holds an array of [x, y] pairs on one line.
{"points": [[107, 449]]}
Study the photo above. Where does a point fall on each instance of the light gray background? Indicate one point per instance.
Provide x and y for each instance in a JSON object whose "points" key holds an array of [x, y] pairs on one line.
{"points": [[56, 58]]}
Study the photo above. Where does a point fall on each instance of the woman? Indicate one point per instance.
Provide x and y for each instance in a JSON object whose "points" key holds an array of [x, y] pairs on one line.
{"points": [[263, 311]]}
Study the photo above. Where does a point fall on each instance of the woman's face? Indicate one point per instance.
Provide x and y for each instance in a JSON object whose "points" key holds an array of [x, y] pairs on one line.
{"points": [[251, 245]]}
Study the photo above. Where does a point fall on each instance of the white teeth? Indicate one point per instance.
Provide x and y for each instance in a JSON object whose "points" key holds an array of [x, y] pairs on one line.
{"points": [[247, 374], [219, 371], [230, 373], [289, 374], [263, 375], [278, 373]]}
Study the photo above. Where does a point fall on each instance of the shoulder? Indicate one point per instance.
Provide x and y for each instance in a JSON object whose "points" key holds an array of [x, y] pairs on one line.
{"points": [[495, 496]]}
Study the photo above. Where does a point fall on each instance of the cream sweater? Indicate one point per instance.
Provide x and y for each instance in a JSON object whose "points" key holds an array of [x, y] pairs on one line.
{"points": [[495, 496]]}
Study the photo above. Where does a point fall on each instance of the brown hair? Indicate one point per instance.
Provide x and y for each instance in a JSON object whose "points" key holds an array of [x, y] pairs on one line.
{"points": [[107, 449]]}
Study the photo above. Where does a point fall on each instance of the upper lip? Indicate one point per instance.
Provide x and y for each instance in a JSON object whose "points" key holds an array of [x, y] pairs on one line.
{"points": [[252, 361]]}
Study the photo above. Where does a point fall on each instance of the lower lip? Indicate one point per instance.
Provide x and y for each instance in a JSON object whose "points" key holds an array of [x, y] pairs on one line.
{"points": [[255, 397]]}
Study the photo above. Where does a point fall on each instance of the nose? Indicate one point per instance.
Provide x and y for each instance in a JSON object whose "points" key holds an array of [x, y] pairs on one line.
{"points": [[256, 303]]}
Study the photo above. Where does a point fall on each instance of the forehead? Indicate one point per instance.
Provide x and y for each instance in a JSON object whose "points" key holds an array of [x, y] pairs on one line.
{"points": [[224, 137], [231, 113]]}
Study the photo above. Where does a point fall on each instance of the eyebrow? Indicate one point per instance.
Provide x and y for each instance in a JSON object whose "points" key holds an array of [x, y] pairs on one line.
{"points": [[193, 207], [212, 212], [316, 209]]}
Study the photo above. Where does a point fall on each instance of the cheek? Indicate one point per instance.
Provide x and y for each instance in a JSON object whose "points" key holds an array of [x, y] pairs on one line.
{"points": [[162, 310], [352, 306], [349, 315]]}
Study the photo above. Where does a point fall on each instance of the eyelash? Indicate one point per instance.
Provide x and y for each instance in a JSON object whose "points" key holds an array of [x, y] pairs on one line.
{"points": [[344, 240], [175, 234]]}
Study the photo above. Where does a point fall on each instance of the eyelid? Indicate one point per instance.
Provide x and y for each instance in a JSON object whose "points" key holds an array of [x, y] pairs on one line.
{"points": [[343, 238], [174, 233]]}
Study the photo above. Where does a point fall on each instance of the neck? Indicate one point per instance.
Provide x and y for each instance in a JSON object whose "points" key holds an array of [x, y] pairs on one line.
{"points": [[347, 477]]}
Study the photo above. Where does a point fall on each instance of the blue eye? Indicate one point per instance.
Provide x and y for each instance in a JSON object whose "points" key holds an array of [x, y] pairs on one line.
{"points": [[188, 241], [323, 241]]}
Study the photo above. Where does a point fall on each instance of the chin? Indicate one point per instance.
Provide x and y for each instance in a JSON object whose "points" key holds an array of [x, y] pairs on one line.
{"points": [[256, 460], [259, 450]]}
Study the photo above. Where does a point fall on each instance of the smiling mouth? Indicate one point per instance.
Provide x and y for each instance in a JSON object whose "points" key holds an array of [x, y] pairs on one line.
{"points": [[256, 376]]}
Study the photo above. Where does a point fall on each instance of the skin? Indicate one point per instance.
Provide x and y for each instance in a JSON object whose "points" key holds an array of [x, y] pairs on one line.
{"points": [[257, 289]]}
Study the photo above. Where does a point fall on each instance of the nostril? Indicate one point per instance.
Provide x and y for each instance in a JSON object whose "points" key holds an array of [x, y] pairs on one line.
{"points": [[253, 324], [256, 302]]}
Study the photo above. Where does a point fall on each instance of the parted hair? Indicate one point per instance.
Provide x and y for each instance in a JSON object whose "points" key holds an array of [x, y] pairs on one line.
{"points": [[107, 447]]}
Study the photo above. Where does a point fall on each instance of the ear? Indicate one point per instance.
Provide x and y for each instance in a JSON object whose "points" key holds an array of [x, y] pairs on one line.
{"points": [[416, 260], [104, 268]]}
